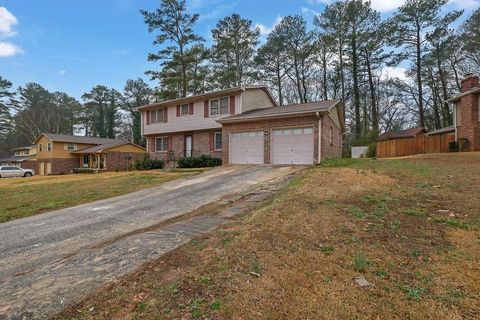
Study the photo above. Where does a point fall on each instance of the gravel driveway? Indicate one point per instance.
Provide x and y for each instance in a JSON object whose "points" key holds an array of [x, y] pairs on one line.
{"points": [[43, 257]]}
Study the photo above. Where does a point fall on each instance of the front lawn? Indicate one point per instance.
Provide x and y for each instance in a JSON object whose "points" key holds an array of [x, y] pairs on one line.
{"points": [[410, 227], [23, 197]]}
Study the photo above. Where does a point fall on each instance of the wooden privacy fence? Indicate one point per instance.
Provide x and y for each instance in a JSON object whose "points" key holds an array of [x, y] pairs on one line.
{"points": [[412, 146]]}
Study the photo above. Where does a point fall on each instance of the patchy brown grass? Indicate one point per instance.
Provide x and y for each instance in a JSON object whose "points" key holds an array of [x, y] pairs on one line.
{"points": [[23, 197], [385, 220]]}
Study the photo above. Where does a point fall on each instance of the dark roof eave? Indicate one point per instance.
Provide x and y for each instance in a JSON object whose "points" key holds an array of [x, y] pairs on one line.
{"points": [[204, 96], [270, 116]]}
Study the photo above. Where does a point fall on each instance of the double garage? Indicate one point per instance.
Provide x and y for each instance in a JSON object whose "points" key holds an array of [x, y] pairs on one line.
{"points": [[289, 135], [287, 146]]}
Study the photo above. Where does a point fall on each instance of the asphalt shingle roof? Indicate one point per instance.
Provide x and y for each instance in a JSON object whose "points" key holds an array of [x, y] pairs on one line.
{"points": [[401, 134], [320, 106], [79, 139]]}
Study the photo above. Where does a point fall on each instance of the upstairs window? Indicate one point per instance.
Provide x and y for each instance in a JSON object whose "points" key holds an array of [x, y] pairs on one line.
{"points": [[219, 106], [184, 110], [70, 146], [49, 147], [40, 147], [157, 116]]}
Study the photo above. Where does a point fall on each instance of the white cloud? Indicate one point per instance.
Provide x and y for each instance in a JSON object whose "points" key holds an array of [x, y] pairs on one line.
{"points": [[465, 4], [8, 49], [62, 72], [7, 21], [264, 30], [309, 11], [394, 72], [387, 5], [379, 5]]}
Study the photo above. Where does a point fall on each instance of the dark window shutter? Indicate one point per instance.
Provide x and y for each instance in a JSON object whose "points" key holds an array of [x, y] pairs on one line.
{"points": [[211, 141], [178, 110], [148, 115], [152, 144], [165, 115], [205, 108], [169, 143], [190, 108], [232, 104]]}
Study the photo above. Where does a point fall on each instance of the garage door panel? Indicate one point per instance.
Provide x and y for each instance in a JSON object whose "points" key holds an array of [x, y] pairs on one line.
{"points": [[292, 146], [246, 147]]}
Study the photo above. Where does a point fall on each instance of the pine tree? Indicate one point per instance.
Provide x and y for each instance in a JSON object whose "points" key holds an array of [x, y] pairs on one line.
{"points": [[233, 50], [175, 27], [137, 93], [408, 28]]}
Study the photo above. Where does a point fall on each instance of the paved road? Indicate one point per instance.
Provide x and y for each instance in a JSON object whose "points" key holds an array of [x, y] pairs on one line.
{"points": [[44, 256]]}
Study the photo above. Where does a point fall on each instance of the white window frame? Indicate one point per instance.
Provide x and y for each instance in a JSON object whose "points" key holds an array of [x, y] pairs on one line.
{"points": [[166, 145], [216, 136], [218, 111], [182, 113], [155, 114]]}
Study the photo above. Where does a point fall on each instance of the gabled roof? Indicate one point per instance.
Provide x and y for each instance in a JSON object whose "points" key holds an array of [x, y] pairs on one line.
{"points": [[401, 134], [17, 158], [77, 139], [284, 111], [208, 95], [102, 147]]}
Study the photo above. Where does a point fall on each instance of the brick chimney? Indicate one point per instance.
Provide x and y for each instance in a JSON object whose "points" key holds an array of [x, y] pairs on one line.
{"points": [[470, 81]]}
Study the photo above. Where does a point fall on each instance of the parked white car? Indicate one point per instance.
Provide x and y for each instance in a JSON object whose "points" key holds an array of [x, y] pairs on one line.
{"points": [[7, 172]]}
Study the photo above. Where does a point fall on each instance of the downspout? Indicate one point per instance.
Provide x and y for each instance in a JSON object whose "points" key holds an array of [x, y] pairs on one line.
{"points": [[319, 159]]}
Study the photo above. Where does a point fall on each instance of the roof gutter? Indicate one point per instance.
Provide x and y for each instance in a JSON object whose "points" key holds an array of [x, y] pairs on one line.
{"points": [[277, 115]]}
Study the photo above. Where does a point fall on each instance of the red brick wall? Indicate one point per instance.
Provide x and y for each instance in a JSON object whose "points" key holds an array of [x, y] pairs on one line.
{"points": [[122, 160], [59, 166], [469, 127], [333, 149], [30, 164], [203, 143], [267, 126]]}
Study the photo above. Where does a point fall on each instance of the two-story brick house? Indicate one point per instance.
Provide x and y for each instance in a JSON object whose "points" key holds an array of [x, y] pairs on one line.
{"points": [[467, 112], [243, 125]]}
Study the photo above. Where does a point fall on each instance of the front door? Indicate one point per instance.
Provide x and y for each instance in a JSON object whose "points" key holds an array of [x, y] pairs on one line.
{"points": [[86, 160], [41, 166], [49, 168], [188, 146]]}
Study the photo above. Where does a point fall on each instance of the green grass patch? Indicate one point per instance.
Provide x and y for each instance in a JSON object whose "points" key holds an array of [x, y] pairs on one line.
{"points": [[24, 200], [452, 222], [414, 293], [361, 262]]}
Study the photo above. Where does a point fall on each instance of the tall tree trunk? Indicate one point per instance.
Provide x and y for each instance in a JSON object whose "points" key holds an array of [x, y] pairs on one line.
{"points": [[297, 77], [324, 66], [279, 84], [421, 111], [373, 97], [447, 118], [356, 92]]}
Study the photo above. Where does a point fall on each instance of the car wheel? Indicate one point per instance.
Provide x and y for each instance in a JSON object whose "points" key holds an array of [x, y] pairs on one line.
{"points": [[27, 174]]}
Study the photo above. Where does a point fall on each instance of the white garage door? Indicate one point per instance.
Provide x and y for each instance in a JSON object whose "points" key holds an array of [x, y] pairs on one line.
{"points": [[246, 147], [292, 146]]}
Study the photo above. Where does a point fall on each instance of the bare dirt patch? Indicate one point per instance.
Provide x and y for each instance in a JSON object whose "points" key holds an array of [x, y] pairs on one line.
{"points": [[408, 226]]}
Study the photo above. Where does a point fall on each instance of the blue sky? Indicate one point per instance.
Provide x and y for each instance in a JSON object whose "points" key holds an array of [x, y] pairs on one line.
{"points": [[73, 45]]}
